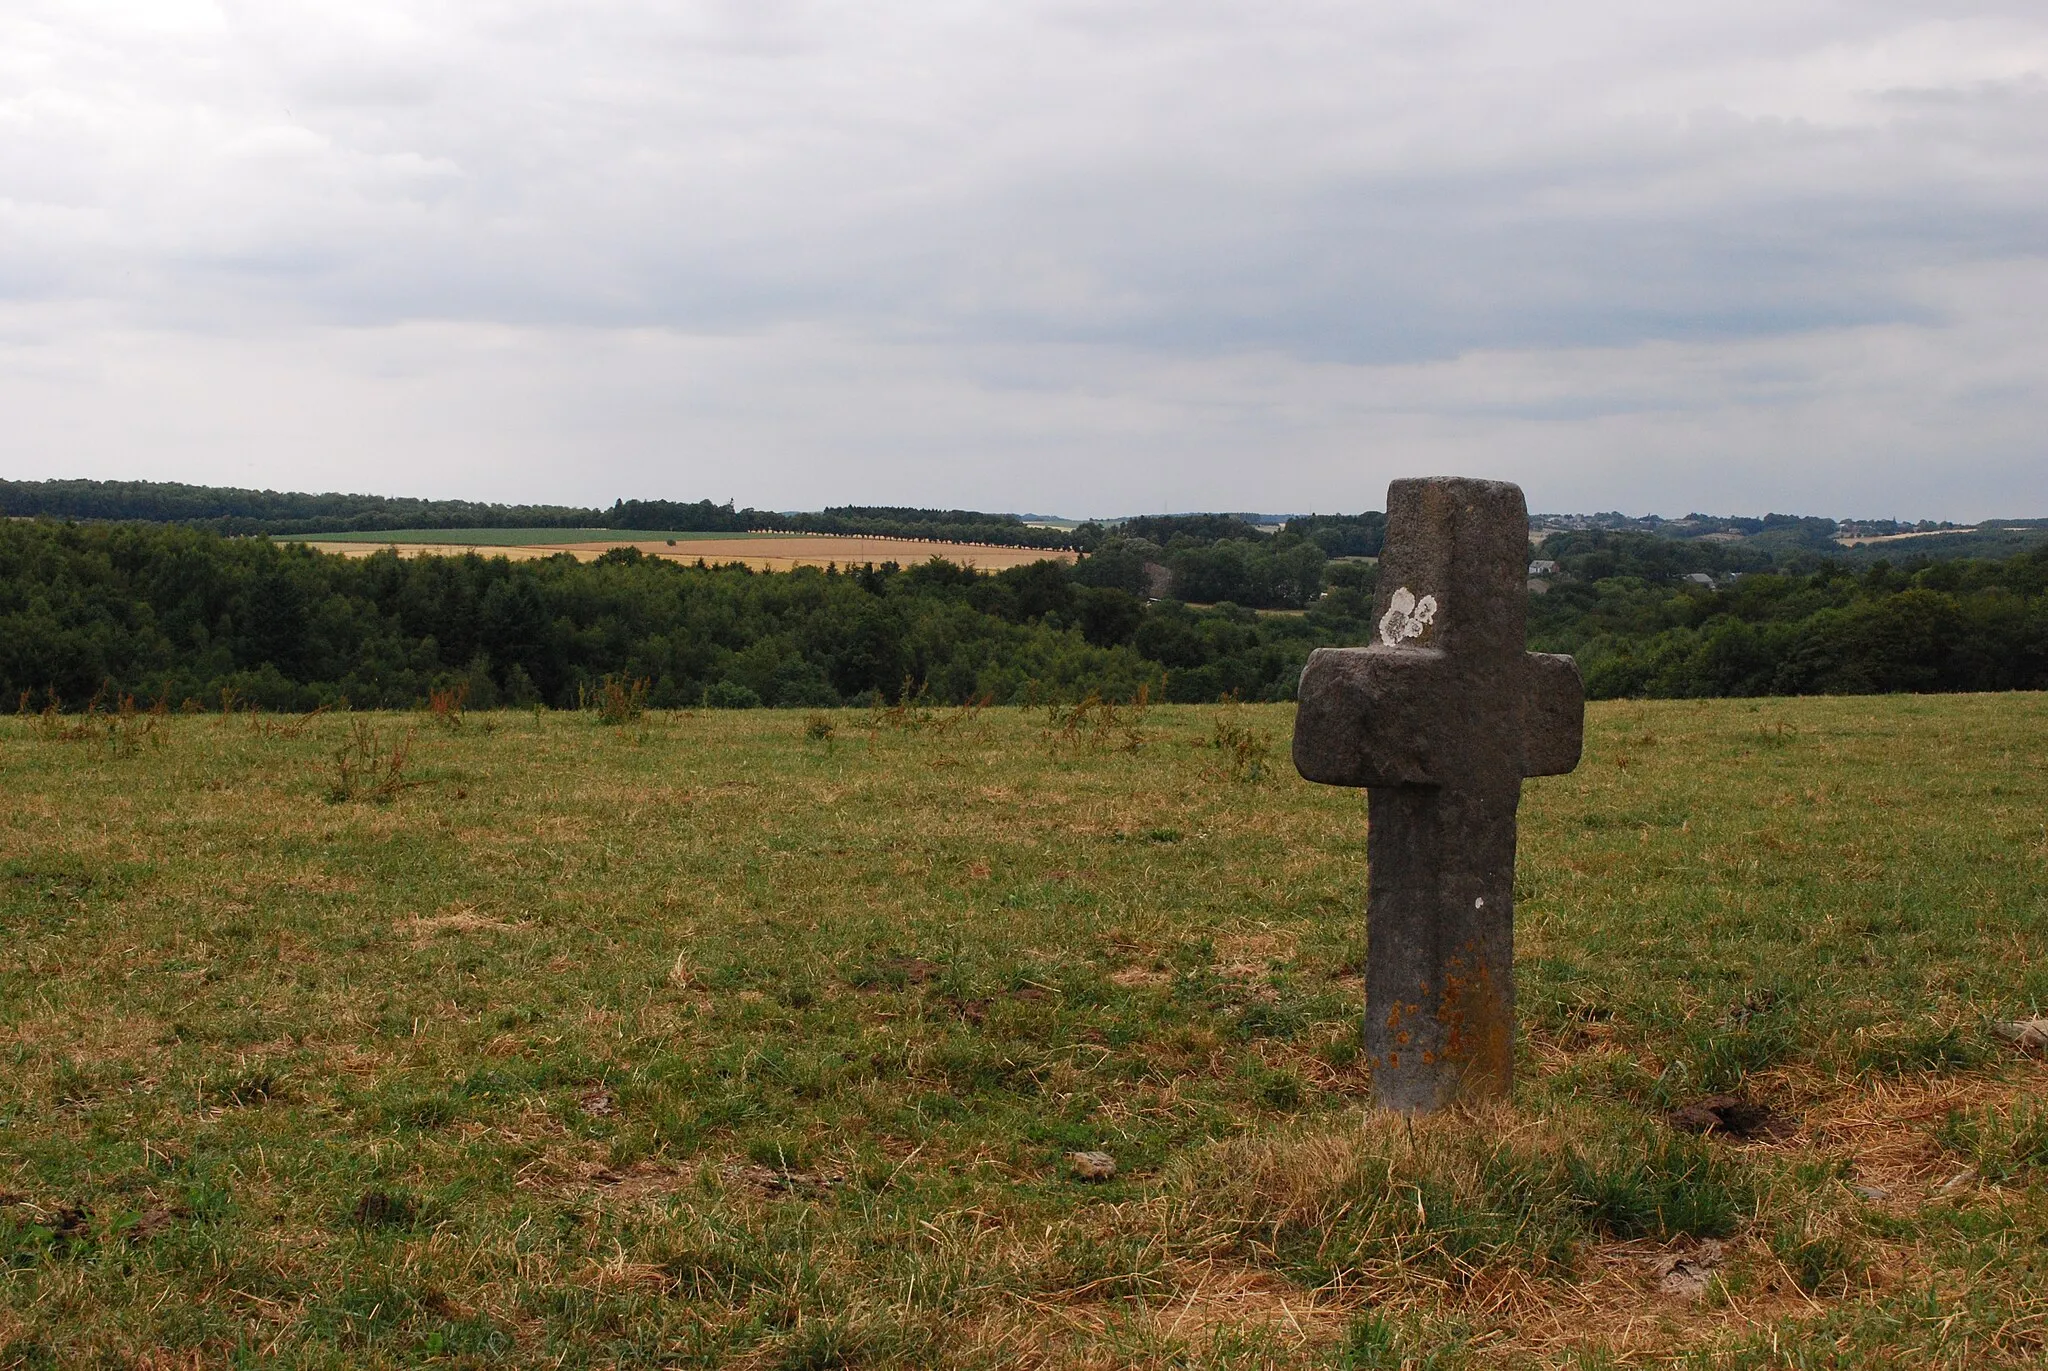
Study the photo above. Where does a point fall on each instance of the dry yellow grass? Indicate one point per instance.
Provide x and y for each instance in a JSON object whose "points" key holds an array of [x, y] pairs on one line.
{"points": [[777, 553]]}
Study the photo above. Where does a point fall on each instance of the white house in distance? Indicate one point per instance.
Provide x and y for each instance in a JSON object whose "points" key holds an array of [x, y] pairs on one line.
{"points": [[1543, 568]]}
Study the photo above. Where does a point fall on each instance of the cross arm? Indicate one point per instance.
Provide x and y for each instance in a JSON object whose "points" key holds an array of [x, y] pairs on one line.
{"points": [[1553, 714], [1378, 716], [1364, 717]]}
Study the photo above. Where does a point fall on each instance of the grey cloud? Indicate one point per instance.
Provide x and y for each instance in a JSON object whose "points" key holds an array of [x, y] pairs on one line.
{"points": [[1091, 197]]}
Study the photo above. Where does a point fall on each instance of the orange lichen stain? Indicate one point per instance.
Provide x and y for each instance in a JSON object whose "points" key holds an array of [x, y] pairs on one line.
{"points": [[1394, 1060], [1402, 1037], [1477, 1029]]}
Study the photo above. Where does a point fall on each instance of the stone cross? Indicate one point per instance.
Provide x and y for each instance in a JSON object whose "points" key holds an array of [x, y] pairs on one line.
{"points": [[1440, 719]]}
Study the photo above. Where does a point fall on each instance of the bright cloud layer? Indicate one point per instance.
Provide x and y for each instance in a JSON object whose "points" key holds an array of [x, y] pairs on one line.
{"points": [[1095, 258]]}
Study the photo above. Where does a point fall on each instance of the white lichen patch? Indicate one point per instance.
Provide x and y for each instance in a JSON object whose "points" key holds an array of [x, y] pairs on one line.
{"points": [[1406, 617]]}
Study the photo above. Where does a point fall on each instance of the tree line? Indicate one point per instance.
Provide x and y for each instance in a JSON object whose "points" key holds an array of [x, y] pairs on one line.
{"points": [[1833, 629], [241, 512], [234, 511], [176, 613], [872, 521], [294, 514]]}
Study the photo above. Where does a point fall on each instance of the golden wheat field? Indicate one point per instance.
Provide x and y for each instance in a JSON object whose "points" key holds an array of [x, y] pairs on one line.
{"points": [[760, 551]]}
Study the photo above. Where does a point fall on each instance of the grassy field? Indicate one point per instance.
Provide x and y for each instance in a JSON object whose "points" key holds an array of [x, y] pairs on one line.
{"points": [[761, 1039]]}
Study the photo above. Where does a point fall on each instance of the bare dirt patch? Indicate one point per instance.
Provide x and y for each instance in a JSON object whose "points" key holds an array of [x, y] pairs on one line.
{"points": [[1249, 954], [453, 919], [1732, 1116], [774, 1181]]}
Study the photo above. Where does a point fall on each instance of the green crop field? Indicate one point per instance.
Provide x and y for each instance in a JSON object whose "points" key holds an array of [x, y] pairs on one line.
{"points": [[762, 1038], [513, 537]]}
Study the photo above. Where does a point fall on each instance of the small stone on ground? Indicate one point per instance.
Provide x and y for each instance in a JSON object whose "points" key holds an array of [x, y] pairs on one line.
{"points": [[1686, 1274], [2028, 1033], [1092, 1166]]}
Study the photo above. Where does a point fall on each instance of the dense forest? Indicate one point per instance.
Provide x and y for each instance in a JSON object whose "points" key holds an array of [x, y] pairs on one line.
{"points": [[283, 513], [227, 510], [173, 613]]}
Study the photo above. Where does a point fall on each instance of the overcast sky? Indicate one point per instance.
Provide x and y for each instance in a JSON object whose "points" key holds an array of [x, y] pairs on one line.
{"points": [[1090, 258]]}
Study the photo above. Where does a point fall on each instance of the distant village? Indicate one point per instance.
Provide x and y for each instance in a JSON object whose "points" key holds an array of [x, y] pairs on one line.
{"points": [[1730, 528]]}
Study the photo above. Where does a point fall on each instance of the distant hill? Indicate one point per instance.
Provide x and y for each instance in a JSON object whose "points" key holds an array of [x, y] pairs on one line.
{"points": [[1724, 542], [1697, 543]]}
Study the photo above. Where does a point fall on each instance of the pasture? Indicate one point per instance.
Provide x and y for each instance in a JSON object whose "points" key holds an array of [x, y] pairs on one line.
{"points": [[761, 1038]]}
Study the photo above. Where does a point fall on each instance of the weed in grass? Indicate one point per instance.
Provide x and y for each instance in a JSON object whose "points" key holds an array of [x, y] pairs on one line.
{"points": [[127, 727], [366, 767], [913, 712], [1244, 749], [123, 728], [286, 730], [445, 706], [1777, 735], [1096, 725], [617, 700], [819, 727]]}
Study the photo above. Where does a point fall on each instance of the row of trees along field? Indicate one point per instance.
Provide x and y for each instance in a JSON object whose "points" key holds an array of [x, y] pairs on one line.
{"points": [[234, 511], [172, 613], [286, 513]]}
